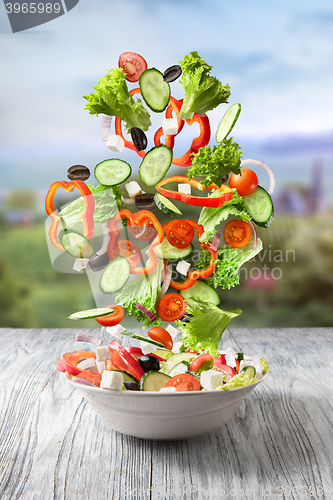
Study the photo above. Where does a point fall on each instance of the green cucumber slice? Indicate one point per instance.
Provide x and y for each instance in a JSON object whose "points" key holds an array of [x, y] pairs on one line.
{"points": [[112, 172], [228, 121], [153, 381], [144, 339], [166, 206], [250, 371], [260, 207], [91, 313], [76, 244], [179, 357], [155, 165], [200, 290], [154, 90], [115, 275], [127, 377], [179, 368], [167, 251]]}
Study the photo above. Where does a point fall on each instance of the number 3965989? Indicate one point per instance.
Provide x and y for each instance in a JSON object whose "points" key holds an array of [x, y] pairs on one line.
{"points": [[33, 8]]}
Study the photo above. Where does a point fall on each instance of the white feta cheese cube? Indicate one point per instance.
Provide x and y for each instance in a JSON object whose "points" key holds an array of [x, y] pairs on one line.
{"points": [[115, 143], [176, 347], [170, 126], [183, 267], [80, 265], [245, 362], [211, 379], [112, 380], [103, 353], [147, 348], [101, 365], [257, 366], [168, 389], [133, 189], [184, 188], [115, 331], [173, 331], [230, 359]]}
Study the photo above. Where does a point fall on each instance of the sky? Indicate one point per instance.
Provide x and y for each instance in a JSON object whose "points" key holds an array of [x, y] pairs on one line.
{"points": [[276, 56]]}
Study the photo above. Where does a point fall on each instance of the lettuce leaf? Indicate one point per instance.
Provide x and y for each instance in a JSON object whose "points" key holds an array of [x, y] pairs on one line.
{"points": [[228, 264], [264, 366], [145, 290], [211, 217], [112, 97], [205, 328], [239, 380], [202, 91]]}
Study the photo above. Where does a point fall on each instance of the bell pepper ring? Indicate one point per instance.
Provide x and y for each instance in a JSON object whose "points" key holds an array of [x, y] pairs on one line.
{"points": [[140, 219], [118, 130], [174, 105], [87, 214], [194, 275], [198, 201]]}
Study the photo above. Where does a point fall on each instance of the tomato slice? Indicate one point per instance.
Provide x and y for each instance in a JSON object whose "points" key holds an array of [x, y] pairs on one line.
{"points": [[237, 233], [71, 359], [133, 65], [130, 251], [245, 183], [112, 319], [179, 233], [146, 233], [184, 382], [172, 307], [221, 367], [197, 362], [161, 335], [93, 377], [59, 366]]}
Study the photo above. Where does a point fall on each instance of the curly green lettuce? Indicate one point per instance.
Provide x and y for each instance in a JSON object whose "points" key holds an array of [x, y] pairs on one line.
{"points": [[264, 366], [239, 380], [228, 264], [111, 97], [213, 163], [202, 91], [204, 330]]}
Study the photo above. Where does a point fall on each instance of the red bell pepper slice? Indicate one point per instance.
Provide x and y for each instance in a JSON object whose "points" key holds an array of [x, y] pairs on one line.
{"points": [[87, 215], [222, 367], [128, 358], [198, 201], [197, 362], [140, 219], [71, 359]]}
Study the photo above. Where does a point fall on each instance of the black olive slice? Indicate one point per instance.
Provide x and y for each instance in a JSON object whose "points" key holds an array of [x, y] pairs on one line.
{"points": [[139, 138], [78, 172], [171, 74]]}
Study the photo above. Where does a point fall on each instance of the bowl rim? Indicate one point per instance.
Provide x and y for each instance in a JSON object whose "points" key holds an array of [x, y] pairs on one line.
{"points": [[138, 394]]}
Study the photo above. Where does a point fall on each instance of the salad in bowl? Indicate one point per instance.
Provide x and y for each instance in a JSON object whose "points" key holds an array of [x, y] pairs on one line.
{"points": [[149, 259]]}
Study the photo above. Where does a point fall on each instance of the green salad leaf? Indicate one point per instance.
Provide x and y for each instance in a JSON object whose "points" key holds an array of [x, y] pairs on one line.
{"points": [[202, 91], [205, 328], [111, 97], [145, 290], [215, 162], [228, 264], [264, 366], [211, 217], [239, 380]]}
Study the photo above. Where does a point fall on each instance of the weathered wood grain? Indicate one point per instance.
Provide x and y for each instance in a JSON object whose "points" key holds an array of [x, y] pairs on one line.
{"points": [[279, 445]]}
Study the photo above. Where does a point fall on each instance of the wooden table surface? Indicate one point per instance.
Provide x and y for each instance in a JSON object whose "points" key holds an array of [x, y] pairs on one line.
{"points": [[279, 444]]}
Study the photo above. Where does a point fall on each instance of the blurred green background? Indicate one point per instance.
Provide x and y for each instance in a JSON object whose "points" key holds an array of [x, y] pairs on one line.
{"points": [[276, 57]]}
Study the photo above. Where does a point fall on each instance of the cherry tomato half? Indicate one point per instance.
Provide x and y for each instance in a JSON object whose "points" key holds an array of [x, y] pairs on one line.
{"points": [[179, 233], [112, 319], [184, 382], [237, 233], [171, 307], [161, 335], [133, 65], [71, 359], [130, 251], [245, 183], [93, 377], [148, 233]]}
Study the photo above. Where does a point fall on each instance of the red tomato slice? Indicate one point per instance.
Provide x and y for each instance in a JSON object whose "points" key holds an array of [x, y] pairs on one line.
{"points": [[133, 65], [197, 362], [218, 365], [93, 377], [172, 307], [245, 183], [147, 234], [219, 360], [237, 233], [113, 318], [161, 335], [130, 251], [71, 359], [179, 233], [184, 382], [59, 366]]}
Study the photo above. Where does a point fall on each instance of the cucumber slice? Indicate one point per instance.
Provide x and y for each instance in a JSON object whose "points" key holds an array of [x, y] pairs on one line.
{"points": [[179, 357], [200, 290], [153, 381], [154, 90], [144, 339], [112, 172], [155, 165], [166, 251], [250, 371], [127, 377], [228, 121], [260, 207], [115, 275], [179, 368], [76, 244], [91, 313], [166, 205]]}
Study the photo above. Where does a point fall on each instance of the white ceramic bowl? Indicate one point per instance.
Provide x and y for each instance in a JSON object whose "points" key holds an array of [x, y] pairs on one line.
{"points": [[160, 416]]}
